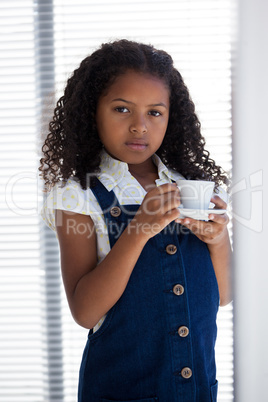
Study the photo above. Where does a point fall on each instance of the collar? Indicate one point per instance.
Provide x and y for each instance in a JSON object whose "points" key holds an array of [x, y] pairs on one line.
{"points": [[113, 171]]}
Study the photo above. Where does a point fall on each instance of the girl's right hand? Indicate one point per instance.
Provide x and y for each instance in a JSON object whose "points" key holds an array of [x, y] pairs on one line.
{"points": [[158, 209]]}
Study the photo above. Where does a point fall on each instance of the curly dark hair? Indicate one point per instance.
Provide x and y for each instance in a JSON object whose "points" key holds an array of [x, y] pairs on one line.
{"points": [[72, 146]]}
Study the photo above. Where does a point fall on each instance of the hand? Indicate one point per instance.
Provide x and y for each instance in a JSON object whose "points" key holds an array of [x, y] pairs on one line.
{"points": [[158, 209], [213, 231]]}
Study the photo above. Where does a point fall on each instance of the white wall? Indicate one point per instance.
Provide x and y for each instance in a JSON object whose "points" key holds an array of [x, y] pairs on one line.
{"points": [[250, 158]]}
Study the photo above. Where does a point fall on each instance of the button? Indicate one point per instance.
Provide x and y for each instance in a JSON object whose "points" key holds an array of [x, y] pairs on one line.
{"points": [[115, 212], [183, 331], [186, 372], [171, 249], [178, 290]]}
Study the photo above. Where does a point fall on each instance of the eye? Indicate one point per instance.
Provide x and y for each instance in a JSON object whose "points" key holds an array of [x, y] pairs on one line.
{"points": [[155, 113], [122, 109]]}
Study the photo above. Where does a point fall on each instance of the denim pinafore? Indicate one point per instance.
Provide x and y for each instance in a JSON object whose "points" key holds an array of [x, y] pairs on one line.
{"points": [[157, 342]]}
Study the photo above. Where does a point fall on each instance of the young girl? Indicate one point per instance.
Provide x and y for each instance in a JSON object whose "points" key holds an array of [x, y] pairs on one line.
{"points": [[145, 282]]}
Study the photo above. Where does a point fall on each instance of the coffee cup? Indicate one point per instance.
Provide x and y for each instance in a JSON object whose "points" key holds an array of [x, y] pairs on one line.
{"points": [[195, 194]]}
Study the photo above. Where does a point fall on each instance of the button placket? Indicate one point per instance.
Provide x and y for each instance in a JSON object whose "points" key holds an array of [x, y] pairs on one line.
{"points": [[183, 330], [181, 339]]}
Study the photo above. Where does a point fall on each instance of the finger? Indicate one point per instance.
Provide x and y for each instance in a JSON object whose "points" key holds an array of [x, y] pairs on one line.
{"points": [[219, 203], [204, 230], [169, 201], [222, 219], [197, 224], [164, 193], [172, 215], [194, 223], [160, 204], [171, 207], [166, 188]]}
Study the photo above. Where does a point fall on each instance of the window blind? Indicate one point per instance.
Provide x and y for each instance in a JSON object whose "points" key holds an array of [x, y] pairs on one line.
{"points": [[42, 42], [22, 368]]}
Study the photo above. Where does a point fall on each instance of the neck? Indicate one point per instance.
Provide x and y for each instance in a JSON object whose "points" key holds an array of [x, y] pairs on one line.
{"points": [[145, 173]]}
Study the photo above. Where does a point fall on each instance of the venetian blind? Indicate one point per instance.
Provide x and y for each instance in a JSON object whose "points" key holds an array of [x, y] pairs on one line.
{"points": [[42, 42], [22, 352]]}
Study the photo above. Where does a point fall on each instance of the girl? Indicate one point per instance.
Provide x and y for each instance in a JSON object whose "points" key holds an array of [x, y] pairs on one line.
{"points": [[145, 282]]}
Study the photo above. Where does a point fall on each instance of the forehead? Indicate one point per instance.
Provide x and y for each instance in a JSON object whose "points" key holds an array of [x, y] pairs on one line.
{"points": [[135, 84]]}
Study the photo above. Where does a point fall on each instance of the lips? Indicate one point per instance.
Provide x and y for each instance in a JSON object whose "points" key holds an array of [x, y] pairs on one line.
{"points": [[137, 145]]}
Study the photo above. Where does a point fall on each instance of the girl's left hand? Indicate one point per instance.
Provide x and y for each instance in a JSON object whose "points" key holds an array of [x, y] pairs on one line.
{"points": [[212, 231]]}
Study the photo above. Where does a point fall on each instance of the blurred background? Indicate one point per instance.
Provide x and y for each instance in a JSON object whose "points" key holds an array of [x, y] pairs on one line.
{"points": [[41, 43]]}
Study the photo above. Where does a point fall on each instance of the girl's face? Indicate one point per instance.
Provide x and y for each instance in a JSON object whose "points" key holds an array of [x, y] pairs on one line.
{"points": [[132, 117]]}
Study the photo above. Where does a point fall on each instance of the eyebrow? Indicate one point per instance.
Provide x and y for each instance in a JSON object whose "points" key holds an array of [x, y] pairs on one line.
{"points": [[126, 101]]}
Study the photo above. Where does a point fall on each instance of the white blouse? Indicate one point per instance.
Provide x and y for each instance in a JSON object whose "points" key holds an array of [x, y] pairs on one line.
{"points": [[114, 175]]}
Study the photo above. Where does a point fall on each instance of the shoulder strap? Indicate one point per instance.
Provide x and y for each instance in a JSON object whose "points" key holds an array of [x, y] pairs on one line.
{"points": [[106, 199]]}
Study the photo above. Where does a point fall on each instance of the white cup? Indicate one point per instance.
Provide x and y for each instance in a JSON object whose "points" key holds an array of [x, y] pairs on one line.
{"points": [[195, 194]]}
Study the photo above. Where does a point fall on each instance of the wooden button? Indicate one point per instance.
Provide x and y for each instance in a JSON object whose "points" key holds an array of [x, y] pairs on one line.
{"points": [[171, 249], [178, 290], [115, 212], [186, 372], [183, 331]]}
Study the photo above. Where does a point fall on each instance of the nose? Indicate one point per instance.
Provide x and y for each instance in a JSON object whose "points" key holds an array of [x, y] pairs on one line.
{"points": [[138, 125]]}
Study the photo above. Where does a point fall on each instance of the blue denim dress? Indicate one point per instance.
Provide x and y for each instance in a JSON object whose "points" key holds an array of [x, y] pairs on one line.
{"points": [[157, 342]]}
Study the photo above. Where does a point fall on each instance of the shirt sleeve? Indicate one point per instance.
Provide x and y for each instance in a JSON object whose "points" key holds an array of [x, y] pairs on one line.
{"points": [[71, 197]]}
